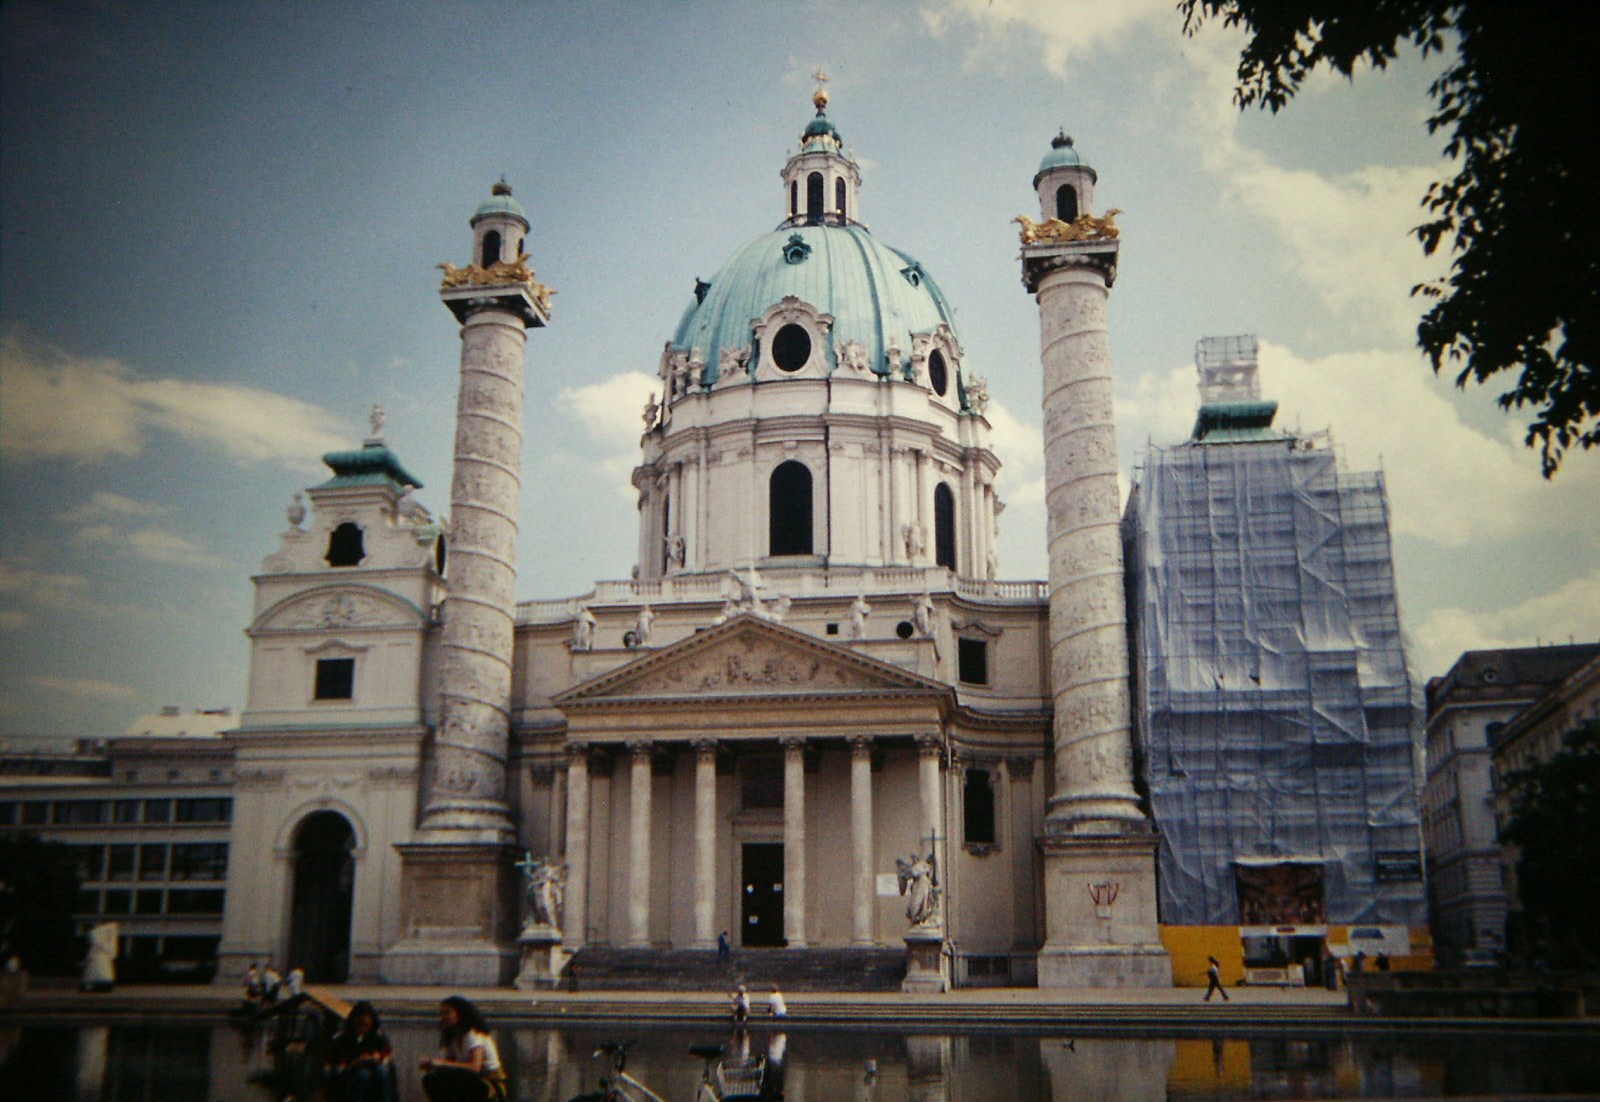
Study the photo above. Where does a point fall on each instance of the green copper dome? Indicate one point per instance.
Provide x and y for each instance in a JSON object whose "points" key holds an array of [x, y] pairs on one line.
{"points": [[877, 295], [500, 202], [818, 127], [1061, 155]]}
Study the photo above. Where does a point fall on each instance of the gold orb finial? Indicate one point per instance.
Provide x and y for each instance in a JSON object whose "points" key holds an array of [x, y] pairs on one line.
{"points": [[820, 96]]}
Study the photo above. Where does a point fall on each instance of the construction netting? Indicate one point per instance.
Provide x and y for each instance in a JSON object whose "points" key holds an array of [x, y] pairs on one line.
{"points": [[1274, 711]]}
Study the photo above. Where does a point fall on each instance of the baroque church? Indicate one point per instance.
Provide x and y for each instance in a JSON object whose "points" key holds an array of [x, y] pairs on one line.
{"points": [[815, 688]]}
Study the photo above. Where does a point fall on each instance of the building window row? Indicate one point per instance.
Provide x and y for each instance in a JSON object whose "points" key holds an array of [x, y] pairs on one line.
{"points": [[153, 861], [204, 809], [151, 902]]}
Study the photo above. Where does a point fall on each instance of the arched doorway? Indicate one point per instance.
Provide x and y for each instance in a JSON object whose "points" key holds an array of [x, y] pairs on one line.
{"points": [[324, 883]]}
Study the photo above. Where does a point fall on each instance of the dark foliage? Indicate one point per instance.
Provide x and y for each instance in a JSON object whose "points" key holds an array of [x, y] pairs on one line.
{"points": [[38, 892], [1555, 823], [1519, 104]]}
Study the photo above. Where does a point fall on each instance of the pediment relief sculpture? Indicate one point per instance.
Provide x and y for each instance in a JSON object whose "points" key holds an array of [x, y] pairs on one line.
{"points": [[344, 608]]}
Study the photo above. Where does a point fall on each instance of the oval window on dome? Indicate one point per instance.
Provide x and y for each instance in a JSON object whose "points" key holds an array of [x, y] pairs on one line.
{"points": [[791, 348], [938, 374]]}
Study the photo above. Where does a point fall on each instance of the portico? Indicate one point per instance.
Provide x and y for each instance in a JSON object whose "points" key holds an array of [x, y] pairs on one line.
{"points": [[828, 756]]}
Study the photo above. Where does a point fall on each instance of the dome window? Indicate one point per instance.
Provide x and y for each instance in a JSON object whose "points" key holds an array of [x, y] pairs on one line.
{"points": [[814, 197], [789, 509], [794, 198], [1067, 203], [795, 249], [944, 526], [938, 374], [345, 545], [791, 348], [491, 248], [838, 198]]}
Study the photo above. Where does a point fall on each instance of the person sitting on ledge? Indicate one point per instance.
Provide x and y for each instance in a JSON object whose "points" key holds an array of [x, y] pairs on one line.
{"points": [[467, 1068], [361, 1063]]}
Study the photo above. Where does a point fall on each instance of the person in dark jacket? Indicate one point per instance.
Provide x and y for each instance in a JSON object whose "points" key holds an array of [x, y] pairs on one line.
{"points": [[1214, 980], [362, 1061]]}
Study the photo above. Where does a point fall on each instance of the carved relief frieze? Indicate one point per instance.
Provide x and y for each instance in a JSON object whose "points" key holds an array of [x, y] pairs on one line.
{"points": [[340, 609], [746, 664]]}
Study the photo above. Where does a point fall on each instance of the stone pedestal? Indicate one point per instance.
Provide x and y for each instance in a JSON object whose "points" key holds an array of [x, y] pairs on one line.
{"points": [[1100, 913], [927, 967], [458, 905], [543, 957]]}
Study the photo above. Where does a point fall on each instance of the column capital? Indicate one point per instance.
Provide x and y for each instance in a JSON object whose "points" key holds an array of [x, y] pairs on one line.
{"points": [[792, 744], [929, 745], [577, 751], [643, 749], [704, 746], [1019, 766], [860, 745]]}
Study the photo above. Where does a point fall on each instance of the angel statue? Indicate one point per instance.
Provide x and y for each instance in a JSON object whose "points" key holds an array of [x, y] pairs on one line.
{"points": [[545, 884], [919, 883]]}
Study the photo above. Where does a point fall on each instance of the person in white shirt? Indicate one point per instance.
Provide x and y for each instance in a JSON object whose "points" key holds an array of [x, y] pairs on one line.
{"points": [[775, 1004], [467, 1068]]}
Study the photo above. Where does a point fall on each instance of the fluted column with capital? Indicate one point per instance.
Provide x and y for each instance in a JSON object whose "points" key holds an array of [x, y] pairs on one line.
{"points": [[794, 842], [575, 923], [861, 839], [639, 846], [705, 842]]}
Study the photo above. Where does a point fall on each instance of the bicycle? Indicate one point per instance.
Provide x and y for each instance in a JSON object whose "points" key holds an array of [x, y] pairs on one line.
{"points": [[720, 1080]]}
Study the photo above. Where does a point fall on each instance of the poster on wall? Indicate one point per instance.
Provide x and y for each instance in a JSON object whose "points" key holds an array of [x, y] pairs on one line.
{"points": [[1280, 894]]}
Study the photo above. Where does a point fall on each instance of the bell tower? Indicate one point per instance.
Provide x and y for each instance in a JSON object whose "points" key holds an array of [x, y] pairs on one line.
{"points": [[458, 894], [1100, 890]]}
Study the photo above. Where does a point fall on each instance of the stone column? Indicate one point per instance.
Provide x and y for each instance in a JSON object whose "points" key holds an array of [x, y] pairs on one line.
{"points": [[466, 775], [575, 922], [705, 843], [930, 803], [794, 842], [861, 839], [1097, 843], [639, 846]]}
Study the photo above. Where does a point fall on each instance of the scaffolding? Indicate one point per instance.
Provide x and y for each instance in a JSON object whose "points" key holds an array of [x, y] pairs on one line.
{"points": [[1275, 716]]}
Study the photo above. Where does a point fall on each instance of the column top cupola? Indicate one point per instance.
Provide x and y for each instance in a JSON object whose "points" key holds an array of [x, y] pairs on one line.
{"points": [[821, 185], [501, 205]]}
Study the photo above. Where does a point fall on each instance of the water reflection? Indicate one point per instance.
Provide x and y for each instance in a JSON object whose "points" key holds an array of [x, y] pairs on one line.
{"points": [[176, 1062]]}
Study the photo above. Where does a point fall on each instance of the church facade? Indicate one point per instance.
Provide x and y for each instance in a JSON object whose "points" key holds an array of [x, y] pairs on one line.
{"points": [[815, 688]]}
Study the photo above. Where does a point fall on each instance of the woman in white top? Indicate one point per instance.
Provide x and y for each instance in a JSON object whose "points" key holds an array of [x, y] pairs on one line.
{"points": [[467, 1068]]}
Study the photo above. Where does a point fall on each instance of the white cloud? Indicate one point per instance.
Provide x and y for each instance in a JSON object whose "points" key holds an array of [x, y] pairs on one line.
{"points": [[84, 409], [90, 687], [1570, 612], [44, 589], [1449, 483], [1063, 30], [149, 543], [611, 412], [104, 506]]}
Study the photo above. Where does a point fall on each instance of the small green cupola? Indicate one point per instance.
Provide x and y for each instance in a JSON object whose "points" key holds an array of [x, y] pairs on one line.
{"points": [[1065, 182], [1232, 410], [820, 183], [499, 228]]}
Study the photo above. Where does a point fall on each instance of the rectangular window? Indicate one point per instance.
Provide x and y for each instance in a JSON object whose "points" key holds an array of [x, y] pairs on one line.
{"points": [[336, 679], [213, 809], [88, 903], [200, 861], [126, 811], [121, 863], [80, 812], [194, 901], [147, 901], [158, 811], [90, 860], [119, 901], [152, 862], [35, 813], [972, 661]]}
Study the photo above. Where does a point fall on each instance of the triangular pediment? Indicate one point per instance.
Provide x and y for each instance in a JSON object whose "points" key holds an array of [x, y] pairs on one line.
{"points": [[748, 656]]}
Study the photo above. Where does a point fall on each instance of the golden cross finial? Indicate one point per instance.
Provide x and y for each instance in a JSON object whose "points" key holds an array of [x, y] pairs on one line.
{"points": [[820, 96]]}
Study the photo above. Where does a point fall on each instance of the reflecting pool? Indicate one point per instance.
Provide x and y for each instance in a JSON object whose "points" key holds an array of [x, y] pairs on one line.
{"points": [[206, 1062]]}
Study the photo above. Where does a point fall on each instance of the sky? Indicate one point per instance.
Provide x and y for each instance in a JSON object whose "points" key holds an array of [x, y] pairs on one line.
{"points": [[219, 225]]}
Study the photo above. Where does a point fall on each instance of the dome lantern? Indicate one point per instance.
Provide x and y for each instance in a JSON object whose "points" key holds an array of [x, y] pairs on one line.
{"points": [[820, 183]]}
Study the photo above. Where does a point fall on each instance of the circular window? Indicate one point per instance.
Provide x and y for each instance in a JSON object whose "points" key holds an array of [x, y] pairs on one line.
{"points": [[937, 374], [791, 348], [904, 629]]}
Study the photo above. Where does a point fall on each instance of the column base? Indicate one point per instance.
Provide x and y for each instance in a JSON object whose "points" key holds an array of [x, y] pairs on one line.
{"points": [[927, 966], [458, 902], [1100, 913]]}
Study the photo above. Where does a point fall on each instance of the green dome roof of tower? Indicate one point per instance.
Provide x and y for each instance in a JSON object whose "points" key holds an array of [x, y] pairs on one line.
{"points": [[819, 126], [877, 295], [1061, 155], [500, 202]]}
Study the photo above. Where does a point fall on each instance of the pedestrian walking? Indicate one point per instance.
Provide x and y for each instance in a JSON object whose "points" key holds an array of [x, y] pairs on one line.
{"points": [[724, 948], [1214, 980]]}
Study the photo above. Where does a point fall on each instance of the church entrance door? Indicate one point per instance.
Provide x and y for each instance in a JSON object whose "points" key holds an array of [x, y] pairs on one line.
{"points": [[324, 883], [761, 887]]}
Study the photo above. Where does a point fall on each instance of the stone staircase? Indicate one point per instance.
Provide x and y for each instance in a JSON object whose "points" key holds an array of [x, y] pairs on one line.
{"points": [[601, 968]]}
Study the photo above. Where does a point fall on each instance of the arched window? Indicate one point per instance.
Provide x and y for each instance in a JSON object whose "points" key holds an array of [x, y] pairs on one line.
{"points": [[666, 533], [944, 526], [789, 510], [814, 196], [838, 197], [794, 198], [491, 248], [977, 809], [345, 545], [1066, 202]]}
